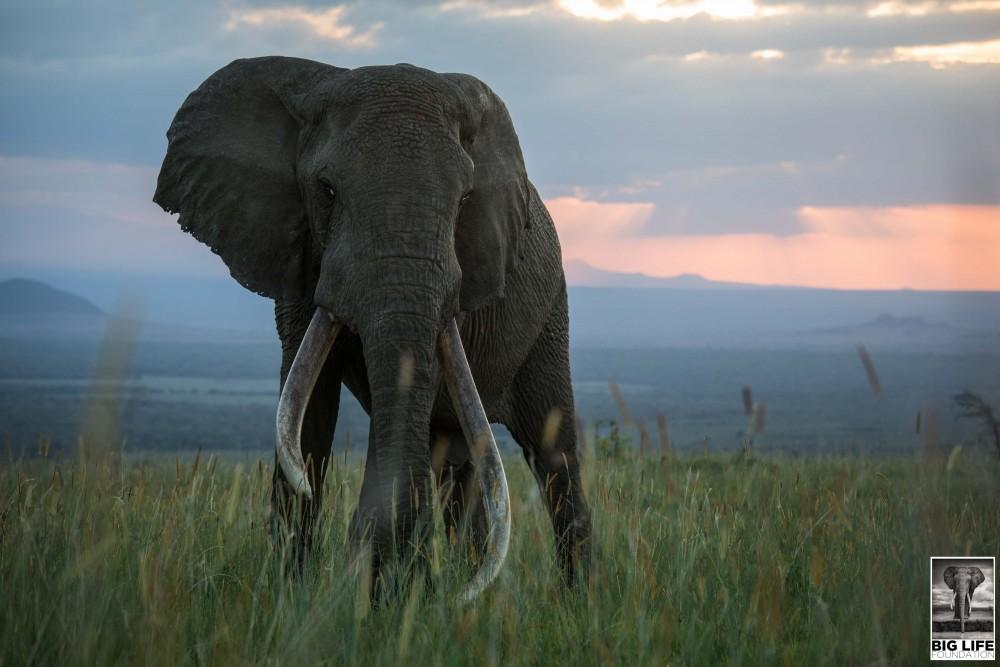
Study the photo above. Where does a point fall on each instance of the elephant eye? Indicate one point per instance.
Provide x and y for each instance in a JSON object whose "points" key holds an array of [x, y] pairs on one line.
{"points": [[327, 188], [464, 199]]}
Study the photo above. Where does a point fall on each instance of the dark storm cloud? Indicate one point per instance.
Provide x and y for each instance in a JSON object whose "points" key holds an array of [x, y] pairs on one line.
{"points": [[608, 109]]}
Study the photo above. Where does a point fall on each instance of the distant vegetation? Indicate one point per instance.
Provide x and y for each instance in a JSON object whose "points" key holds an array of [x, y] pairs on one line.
{"points": [[974, 407], [719, 559], [679, 354], [186, 396]]}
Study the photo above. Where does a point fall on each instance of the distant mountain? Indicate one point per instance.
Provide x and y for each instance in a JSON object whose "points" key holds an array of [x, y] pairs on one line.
{"points": [[21, 297], [581, 274], [719, 315], [31, 309], [889, 324]]}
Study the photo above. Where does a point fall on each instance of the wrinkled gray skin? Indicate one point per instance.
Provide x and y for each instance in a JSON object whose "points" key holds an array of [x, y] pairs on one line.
{"points": [[963, 581], [395, 198]]}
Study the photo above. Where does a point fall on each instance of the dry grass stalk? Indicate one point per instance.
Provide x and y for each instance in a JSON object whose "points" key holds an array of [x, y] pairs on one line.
{"points": [[760, 415], [101, 428], [866, 361], [661, 427], [746, 393], [644, 440], [933, 434], [616, 393]]}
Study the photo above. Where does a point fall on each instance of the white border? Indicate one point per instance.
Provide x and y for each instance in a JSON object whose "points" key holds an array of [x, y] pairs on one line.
{"points": [[930, 593]]}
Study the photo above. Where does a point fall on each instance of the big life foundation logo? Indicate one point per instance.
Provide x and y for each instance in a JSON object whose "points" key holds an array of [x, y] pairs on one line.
{"points": [[963, 614]]}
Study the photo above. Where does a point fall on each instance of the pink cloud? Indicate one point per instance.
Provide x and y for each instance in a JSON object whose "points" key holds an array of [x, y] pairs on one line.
{"points": [[581, 221], [919, 247]]}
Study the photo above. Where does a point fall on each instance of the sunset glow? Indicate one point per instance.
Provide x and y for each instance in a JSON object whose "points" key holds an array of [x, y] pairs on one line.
{"points": [[919, 247]]}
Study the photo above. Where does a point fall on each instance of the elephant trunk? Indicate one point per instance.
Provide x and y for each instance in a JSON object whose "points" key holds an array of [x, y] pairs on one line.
{"points": [[403, 376], [405, 364], [961, 599]]}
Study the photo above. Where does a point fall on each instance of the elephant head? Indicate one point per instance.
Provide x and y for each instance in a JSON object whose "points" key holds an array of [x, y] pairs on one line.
{"points": [[392, 198], [963, 582]]}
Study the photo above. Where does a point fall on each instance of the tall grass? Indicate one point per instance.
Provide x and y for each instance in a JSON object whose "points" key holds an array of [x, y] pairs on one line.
{"points": [[709, 560]]}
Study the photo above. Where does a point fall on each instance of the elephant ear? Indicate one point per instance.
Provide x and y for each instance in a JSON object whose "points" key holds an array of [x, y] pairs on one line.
{"points": [[949, 576], [490, 225], [977, 578], [230, 169]]}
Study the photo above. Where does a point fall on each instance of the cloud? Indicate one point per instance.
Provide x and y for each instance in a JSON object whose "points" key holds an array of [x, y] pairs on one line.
{"points": [[582, 221], [326, 24], [926, 247], [984, 593], [81, 214], [940, 56], [768, 54], [927, 7], [493, 10], [675, 120], [653, 10]]}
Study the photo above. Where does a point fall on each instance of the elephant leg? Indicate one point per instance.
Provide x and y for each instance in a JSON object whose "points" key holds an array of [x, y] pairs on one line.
{"points": [[290, 512], [542, 421], [460, 497]]}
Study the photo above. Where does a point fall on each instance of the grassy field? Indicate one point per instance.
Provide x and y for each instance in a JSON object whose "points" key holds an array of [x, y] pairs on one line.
{"points": [[704, 560]]}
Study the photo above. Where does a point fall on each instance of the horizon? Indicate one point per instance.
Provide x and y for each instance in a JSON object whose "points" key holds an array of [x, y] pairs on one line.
{"points": [[595, 278]]}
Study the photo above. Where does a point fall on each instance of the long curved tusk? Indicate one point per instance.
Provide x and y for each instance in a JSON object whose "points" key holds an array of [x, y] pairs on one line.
{"points": [[305, 370], [485, 456]]}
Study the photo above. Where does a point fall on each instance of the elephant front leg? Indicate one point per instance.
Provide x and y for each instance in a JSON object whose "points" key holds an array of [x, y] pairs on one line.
{"points": [[543, 423]]}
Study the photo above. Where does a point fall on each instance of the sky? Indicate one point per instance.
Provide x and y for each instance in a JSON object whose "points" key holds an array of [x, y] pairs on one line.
{"points": [[833, 143]]}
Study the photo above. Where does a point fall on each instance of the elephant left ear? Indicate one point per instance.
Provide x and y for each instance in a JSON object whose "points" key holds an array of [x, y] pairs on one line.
{"points": [[230, 169], [491, 223], [977, 577]]}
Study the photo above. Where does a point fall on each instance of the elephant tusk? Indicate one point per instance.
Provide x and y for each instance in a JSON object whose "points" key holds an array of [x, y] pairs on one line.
{"points": [[305, 370], [485, 456]]}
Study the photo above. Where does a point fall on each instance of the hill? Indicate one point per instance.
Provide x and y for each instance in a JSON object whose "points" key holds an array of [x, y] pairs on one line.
{"points": [[694, 313], [20, 297], [35, 310], [582, 274]]}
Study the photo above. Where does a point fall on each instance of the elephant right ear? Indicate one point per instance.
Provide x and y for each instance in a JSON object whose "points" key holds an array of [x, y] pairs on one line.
{"points": [[230, 169], [949, 576]]}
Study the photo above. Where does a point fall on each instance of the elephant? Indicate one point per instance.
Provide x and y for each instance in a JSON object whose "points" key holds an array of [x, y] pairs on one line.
{"points": [[963, 582], [387, 212]]}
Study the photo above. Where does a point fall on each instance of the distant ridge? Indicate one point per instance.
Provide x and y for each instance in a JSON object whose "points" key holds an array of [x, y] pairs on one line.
{"points": [[581, 274], [31, 309], [20, 297], [886, 323]]}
